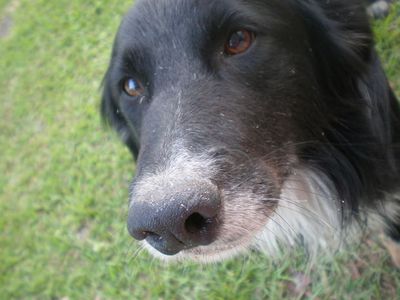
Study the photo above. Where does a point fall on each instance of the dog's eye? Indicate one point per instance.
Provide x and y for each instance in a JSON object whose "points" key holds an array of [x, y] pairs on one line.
{"points": [[133, 87], [239, 41]]}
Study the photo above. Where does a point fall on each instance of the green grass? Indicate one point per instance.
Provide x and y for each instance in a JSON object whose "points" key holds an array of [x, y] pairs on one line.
{"points": [[387, 33], [3, 3], [64, 179]]}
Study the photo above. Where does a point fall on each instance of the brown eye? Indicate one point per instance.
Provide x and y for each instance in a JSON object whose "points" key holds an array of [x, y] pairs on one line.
{"points": [[239, 42], [133, 87]]}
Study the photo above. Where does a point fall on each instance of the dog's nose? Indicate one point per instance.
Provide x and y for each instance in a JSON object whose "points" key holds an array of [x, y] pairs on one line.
{"points": [[176, 222]]}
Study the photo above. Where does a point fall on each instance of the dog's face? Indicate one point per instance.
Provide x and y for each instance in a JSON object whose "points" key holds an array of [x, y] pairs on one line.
{"points": [[222, 102]]}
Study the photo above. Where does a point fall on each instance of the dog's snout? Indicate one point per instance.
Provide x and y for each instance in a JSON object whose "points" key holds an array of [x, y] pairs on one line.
{"points": [[183, 220]]}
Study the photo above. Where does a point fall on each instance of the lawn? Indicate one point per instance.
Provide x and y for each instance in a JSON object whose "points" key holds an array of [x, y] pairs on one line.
{"points": [[64, 179]]}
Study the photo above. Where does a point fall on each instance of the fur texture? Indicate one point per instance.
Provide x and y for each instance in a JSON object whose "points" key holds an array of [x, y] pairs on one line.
{"points": [[297, 138]]}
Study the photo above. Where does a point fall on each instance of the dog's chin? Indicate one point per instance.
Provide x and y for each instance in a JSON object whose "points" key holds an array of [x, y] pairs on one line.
{"points": [[204, 254]]}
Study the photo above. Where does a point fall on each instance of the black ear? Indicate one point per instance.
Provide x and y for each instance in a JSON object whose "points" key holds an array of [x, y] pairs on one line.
{"points": [[112, 116], [341, 41], [355, 99]]}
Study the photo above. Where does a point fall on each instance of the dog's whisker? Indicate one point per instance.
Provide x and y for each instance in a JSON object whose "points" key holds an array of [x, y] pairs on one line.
{"points": [[301, 210], [136, 253], [240, 133]]}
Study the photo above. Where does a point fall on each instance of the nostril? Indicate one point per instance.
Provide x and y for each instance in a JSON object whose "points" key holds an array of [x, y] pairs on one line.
{"points": [[142, 234], [151, 236], [146, 234], [186, 219], [196, 223]]}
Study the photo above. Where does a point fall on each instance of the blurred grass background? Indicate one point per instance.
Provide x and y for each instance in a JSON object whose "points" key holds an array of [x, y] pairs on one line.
{"points": [[64, 179]]}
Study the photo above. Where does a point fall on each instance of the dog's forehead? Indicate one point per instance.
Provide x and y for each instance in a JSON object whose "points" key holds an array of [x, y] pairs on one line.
{"points": [[156, 23], [167, 19]]}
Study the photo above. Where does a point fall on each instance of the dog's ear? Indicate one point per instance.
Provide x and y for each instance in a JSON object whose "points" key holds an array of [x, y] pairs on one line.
{"points": [[341, 40], [112, 116], [357, 103]]}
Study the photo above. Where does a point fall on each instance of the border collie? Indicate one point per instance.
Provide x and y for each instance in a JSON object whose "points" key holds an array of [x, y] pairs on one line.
{"points": [[254, 123]]}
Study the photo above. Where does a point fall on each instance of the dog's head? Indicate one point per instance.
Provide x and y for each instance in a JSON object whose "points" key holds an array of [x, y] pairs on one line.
{"points": [[227, 106]]}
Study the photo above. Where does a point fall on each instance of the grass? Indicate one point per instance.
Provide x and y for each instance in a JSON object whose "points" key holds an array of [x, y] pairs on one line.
{"points": [[3, 3], [63, 181]]}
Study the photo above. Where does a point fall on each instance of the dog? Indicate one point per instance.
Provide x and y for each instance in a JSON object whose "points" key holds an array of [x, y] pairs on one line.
{"points": [[255, 124]]}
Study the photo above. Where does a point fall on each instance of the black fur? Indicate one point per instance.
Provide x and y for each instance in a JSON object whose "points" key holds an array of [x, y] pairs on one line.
{"points": [[311, 87]]}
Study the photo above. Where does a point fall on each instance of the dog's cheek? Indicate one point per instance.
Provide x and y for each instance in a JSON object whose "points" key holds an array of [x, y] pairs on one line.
{"points": [[243, 217], [249, 194], [247, 206]]}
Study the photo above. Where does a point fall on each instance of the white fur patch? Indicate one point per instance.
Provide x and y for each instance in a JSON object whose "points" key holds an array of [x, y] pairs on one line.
{"points": [[307, 213], [178, 173]]}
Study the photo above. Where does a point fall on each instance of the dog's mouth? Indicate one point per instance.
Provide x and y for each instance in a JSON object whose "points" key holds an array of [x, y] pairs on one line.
{"points": [[239, 222], [200, 209], [256, 221], [204, 254]]}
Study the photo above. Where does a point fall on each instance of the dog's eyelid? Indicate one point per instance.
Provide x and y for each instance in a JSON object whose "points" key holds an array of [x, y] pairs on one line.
{"points": [[237, 20], [132, 63], [128, 71]]}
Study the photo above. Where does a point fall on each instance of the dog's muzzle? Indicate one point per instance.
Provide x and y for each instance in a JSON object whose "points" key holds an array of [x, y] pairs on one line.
{"points": [[176, 218]]}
